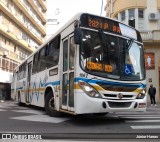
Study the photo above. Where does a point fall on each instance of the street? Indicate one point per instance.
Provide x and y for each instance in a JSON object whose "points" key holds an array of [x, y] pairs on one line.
{"points": [[29, 120]]}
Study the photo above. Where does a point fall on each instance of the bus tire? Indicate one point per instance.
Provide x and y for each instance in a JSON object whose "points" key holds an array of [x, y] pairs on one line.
{"points": [[19, 100], [101, 114], [49, 105]]}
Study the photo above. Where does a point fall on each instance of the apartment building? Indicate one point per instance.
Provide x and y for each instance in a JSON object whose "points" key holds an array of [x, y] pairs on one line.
{"points": [[22, 30], [144, 15]]}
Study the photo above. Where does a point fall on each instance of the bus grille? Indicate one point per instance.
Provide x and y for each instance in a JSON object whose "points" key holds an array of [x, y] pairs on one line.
{"points": [[115, 96], [118, 88], [119, 104]]}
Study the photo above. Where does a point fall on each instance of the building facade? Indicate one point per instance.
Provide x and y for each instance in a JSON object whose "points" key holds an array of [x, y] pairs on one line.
{"points": [[144, 15], [22, 30]]}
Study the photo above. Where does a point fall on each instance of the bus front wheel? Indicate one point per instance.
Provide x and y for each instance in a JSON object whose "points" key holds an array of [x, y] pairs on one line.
{"points": [[50, 105], [101, 114]]}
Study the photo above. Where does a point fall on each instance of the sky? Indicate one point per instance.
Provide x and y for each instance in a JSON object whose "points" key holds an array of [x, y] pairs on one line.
{"points": [[64, 10]]}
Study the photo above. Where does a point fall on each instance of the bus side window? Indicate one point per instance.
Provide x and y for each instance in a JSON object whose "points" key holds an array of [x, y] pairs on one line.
{"points": [[53, 50], [42, 59], [24, 67], [22, 71], [35, 63]]}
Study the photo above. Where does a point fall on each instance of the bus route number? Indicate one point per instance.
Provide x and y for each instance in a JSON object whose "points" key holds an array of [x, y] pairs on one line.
{"points": [[94, 66], [99, 67], [108, 68]]}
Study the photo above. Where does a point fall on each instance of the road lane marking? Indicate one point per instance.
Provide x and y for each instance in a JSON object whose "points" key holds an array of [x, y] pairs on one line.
{"points": [[142, 121], [4, 106], [41, 118], [136, 113], [136, 117], [148, 115], [2, 110], [146, 127], [29, 111]]}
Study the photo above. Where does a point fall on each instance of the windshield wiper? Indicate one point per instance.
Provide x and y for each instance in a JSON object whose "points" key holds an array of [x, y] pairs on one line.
{"points": [[103, 41], [130, 43], [104, 45]]}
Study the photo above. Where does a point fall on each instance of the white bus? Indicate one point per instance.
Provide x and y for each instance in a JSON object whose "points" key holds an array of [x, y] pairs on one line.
{"points": [[92, 64]]}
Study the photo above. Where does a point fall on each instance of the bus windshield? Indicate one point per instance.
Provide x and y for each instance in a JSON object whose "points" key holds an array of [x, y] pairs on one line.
{"points": [[111, 56]]}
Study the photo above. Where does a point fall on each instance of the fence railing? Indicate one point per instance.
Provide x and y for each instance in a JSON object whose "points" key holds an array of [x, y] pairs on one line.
{"points": [[146, 35], [153, 35]]}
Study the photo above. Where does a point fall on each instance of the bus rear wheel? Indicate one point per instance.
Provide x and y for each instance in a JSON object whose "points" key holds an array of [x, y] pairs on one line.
{"points": [[50, 105], [19, 99]]}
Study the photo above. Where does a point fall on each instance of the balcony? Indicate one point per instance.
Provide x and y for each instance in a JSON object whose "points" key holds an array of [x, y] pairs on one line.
{"points": [[34, 6], [42, 4], [150, 37], [19, 23], [38, 26], [4, 31]]}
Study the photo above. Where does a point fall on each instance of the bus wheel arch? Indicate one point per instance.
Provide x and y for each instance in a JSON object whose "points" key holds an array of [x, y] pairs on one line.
{"points": [[50, 103], [48, 89]]}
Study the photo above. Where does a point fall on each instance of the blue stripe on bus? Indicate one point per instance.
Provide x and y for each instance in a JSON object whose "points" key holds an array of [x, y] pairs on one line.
{"points": [[20, 88], [53, 83], [91, 81], [99, 81]]}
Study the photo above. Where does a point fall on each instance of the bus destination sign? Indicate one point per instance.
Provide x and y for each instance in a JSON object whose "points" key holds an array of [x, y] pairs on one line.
{"points": [[107, 25]]}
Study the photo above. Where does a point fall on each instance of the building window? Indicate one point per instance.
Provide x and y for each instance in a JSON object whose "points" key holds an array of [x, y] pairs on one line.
{"points": [[24, 36], [140, 13], [131, 14], [15, 48], [116, 17], [123, 16]]}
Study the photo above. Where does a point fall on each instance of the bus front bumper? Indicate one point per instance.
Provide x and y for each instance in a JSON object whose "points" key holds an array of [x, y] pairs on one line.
{"points": [[87, 104]]}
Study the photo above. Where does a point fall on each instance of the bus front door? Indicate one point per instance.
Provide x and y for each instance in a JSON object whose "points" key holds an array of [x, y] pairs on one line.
{"points": [[67, 84], [28, 82]]}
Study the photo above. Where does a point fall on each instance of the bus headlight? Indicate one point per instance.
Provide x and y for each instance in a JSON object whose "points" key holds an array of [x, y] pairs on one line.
{"points": [[89, 90], [141, 95]]}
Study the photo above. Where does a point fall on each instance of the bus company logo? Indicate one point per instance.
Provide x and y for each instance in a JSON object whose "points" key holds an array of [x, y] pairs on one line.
{"points": [[120, 95], [6, 136]]}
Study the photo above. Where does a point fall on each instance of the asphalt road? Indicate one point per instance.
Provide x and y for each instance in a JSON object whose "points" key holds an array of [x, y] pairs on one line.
{"points": [[29, 122]]}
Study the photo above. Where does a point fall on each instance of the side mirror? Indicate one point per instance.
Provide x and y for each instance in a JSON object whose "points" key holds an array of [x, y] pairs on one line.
{"points": [[77, 35]]}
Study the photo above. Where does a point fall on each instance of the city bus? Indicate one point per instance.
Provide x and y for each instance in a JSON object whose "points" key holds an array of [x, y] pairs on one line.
{"points": [[92, 65]]}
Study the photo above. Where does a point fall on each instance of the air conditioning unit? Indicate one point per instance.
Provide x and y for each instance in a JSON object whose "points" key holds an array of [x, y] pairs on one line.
{"points": [[152, 16]]}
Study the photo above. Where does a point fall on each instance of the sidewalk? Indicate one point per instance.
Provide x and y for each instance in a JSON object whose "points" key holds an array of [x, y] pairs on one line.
{"points": [[153, 108]]}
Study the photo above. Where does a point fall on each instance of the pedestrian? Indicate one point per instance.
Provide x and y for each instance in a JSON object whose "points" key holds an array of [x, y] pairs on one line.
{"points": [[152, 93]]}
